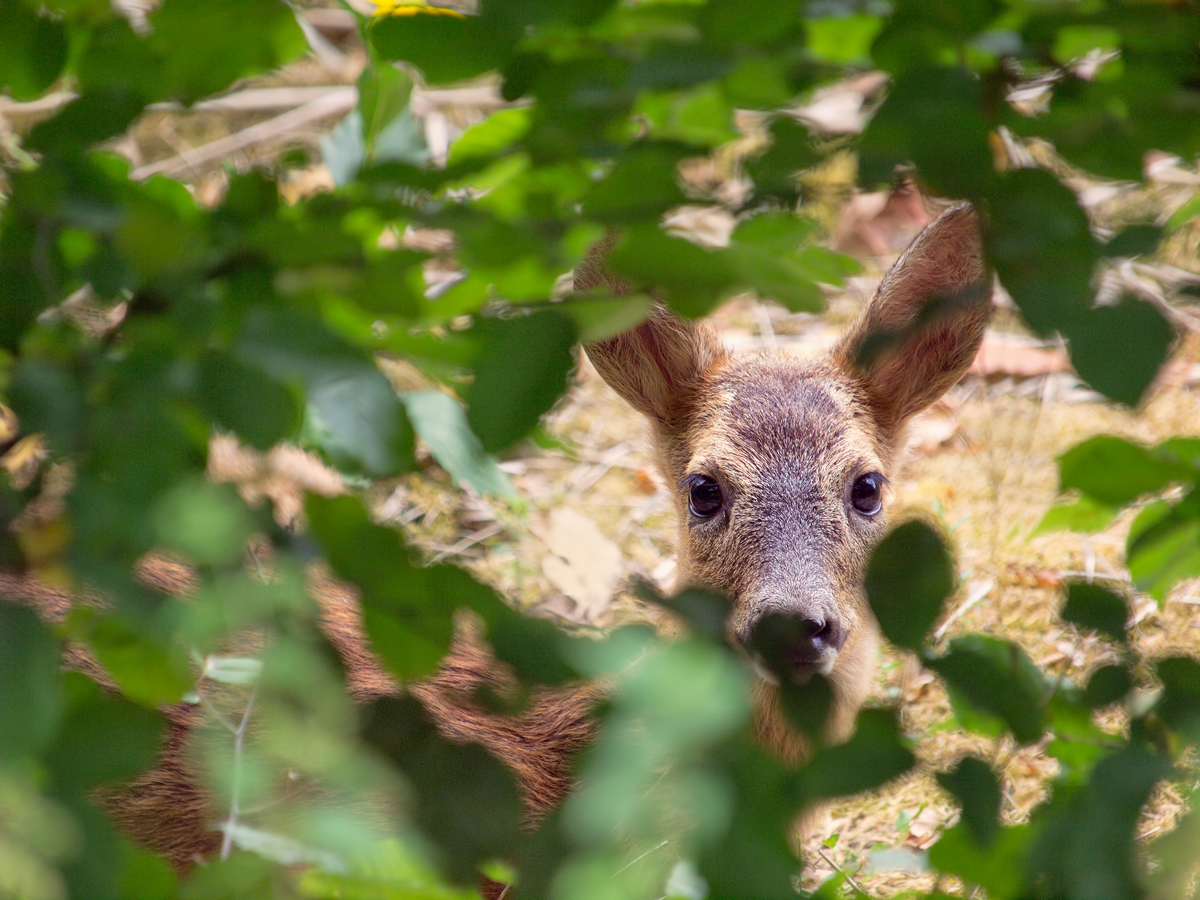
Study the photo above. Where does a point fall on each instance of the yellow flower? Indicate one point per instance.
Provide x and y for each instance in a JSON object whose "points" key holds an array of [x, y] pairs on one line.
{"points": [[392, 8]]}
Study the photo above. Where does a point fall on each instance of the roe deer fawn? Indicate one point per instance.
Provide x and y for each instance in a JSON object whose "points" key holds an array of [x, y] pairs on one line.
{"points": [[778, 468]]}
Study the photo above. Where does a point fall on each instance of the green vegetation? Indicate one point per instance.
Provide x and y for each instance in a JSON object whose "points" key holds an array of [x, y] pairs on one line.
{"points": [[263, 319]]}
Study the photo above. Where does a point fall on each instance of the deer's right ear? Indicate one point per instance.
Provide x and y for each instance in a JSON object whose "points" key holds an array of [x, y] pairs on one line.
{"points": [[657, 365], [920, 333]]}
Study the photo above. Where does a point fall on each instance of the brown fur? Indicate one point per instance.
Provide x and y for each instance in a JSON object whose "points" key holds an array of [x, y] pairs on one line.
{"points": [[784, 438]]}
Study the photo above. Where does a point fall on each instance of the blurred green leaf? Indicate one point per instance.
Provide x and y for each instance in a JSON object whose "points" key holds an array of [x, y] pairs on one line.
{"points": [[908, 580], [29, 689], [876, 754], [1113, 470], [520, 373], [1042, 247], [977, 790], [1135, 240], [353, 414], [466, 801], [242, 399], [146, 672], [997, 677], [408, 619], [1107, 685], [442, 424], [1179, 705], [33, 49], [1163, 546], [997, 868], [444, 45], [102, 738], [1084, 514], [931, 119], [1087, 849], [1119, 349], [1096, 608], [205, 522]]}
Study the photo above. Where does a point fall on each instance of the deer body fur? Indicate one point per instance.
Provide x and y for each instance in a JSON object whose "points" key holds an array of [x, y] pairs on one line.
{"points": [[777, 467]]}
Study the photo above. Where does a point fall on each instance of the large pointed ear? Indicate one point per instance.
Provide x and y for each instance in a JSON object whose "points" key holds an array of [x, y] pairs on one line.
{"points": [[657, 365], [921, 331]]}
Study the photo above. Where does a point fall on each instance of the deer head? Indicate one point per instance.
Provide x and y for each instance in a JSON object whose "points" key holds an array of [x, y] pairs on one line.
{"points": [[780, 467]]}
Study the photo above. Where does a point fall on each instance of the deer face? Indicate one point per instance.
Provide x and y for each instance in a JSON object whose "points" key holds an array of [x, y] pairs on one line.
{"points": [[780, 467], [779, 490]]}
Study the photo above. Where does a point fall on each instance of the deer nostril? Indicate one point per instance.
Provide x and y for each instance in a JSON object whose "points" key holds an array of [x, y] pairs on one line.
{"points": [[792, 645]]}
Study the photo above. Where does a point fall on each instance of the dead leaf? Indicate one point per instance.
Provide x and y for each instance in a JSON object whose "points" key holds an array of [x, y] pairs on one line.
{"points": [[925, 828], [932, 430], [583, 563], [1002, 354]]}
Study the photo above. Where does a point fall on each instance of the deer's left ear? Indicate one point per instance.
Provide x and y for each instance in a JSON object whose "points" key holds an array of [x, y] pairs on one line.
{"points": [[921, 331]]}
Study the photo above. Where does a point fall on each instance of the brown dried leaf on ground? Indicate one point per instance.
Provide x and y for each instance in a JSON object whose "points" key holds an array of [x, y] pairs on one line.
{"points": [[583, 563]]}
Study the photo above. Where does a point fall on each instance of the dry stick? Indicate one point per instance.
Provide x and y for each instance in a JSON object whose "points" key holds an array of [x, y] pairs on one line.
{"points": [[973, 596], [239, 739], [469, 541], [849, 878], [328, 105]]}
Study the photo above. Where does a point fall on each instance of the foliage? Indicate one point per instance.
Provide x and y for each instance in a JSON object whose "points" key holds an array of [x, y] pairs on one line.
{"points": [[263, 319]]}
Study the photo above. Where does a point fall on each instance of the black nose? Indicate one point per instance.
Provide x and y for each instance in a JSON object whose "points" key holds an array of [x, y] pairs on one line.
{"points": [[791, 645]]}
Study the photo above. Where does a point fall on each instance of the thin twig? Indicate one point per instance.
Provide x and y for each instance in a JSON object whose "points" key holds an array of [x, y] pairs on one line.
{"points": [[239, 740], [849, 878], [331, 104], [469, 541], [974, 595], [639, 858]]}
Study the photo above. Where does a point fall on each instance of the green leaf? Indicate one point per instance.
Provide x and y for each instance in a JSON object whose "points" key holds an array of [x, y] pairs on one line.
{"points": [[777, 255], [1085, 514], [466, 800], [494, 134], [908, 580], [520, 373], [1183, 215], [876, 754], [1042, 247], [446, 46], [689, 278], [643, 184], [205, 522], [1163, 547], [102, 738], [599, 315], [1115, 471], [242, 399], [29, 688], [1135, 240], [997, 868], [1179, 705], [931, 119], [442, 424], [1088, 849], [1107, 685], [997, 677], [1119, 349], [407, 614], [383, 94], [977, 790], [748, 21], [352, 413], [1096, 608], [33, 49], [791, 150], [145, 671]]}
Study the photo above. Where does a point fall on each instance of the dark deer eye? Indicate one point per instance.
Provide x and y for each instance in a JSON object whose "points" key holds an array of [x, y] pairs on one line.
{"points": [[867, 493], [704, 496]]}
